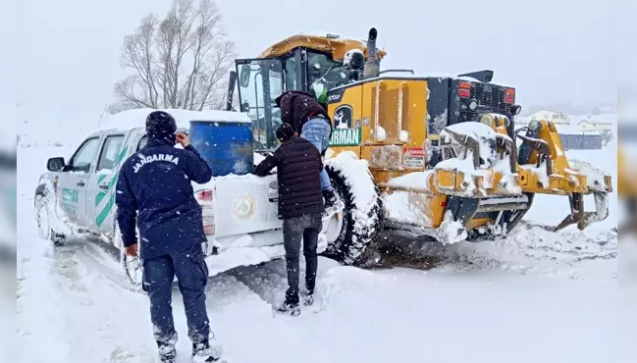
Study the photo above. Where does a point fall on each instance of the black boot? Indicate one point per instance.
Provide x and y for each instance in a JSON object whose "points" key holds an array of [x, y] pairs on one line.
{"points": [[205, 353], [308, 297], [167, 353], [288, 308]]}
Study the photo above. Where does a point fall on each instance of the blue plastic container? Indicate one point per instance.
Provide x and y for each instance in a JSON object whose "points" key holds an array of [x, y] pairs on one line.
{"points": [[226, 146]]}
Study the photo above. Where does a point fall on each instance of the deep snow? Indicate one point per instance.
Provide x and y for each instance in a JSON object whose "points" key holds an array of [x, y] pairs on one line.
{"points": [[534, 297]]}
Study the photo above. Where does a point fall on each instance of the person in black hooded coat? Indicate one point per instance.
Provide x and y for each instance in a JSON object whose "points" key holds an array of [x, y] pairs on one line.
{"points": [[299, 166], [310, 120]]}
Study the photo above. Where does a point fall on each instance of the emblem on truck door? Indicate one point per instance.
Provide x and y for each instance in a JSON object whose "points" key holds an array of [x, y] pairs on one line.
{"points": [[244, 208]]}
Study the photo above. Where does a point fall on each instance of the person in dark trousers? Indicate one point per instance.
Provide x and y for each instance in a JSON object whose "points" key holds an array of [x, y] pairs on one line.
{"points": [[310, 120], [299, 166], [155, 183]]}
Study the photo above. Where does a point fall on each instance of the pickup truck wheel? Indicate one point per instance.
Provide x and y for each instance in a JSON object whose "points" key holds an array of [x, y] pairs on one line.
{"points": [[45, 231], [132, 266]]}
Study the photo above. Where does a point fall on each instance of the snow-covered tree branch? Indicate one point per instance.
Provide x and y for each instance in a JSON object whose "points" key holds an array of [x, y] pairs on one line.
{"points": [[180, 61]]}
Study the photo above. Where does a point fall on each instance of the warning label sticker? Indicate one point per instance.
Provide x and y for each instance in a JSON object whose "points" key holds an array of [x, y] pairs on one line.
{"points": [[414, 157]]}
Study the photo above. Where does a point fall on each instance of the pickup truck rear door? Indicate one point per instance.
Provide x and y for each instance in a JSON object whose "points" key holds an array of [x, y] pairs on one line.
{"points": [[102, 182]]}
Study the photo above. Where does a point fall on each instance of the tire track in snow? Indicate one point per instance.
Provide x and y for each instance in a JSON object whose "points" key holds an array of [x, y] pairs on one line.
{"points": [[528, 249], [96, 306], [268, 280]]}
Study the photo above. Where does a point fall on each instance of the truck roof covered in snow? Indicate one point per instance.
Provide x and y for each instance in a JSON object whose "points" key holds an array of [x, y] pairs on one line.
{"points": [[137, 118]]}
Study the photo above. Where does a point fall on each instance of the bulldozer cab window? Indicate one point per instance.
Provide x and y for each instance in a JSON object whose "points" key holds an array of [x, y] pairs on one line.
{"points": [[323, 74], [260, 82], [290, 74]]}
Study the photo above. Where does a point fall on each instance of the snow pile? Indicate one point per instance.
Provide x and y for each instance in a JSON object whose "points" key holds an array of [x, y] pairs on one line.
{"points": [[40, 303], [382, 134], [451, 231], [242, 256], [137, 118], [365, 209], [57, 218], [404, 136], [594, 176], [415, 180], [541, 172], [335, 37], [483, 134], [345, 281], [438, 123], [420, 180], [508, 181], [406, 206], [399, 208], [358, 177], [457, 137]]}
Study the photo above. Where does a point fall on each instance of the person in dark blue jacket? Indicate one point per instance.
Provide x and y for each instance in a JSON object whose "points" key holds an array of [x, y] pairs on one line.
{"points": [[154, 193]]}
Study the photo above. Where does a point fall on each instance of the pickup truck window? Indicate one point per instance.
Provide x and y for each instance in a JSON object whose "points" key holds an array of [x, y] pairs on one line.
{"points": [[110, 151], [144, 139], [142, 143], [84, 156]]}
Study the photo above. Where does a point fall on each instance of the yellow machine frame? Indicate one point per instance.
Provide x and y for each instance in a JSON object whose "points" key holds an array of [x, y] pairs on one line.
{"points": [[399, 106]]}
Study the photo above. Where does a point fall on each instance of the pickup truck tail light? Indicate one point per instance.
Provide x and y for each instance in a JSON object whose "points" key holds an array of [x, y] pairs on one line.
{"points": [[205, 198]]}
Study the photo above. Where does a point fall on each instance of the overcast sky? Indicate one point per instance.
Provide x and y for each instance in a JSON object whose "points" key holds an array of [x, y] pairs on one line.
{"points": [[64, 59]]}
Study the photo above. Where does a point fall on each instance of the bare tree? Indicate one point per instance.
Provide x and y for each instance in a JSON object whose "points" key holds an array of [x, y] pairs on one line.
{"points": [[180, 61]]}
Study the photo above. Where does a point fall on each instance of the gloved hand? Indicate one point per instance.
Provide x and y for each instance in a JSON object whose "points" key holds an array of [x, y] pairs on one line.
{"points": [[131, 250], [183, 139]]}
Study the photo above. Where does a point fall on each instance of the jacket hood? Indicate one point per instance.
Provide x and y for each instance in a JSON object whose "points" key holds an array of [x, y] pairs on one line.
{"points": [[290, 93]]}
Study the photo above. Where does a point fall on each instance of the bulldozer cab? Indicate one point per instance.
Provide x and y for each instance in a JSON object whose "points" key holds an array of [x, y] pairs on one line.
{"points": [[314, 64], [261, 81]]}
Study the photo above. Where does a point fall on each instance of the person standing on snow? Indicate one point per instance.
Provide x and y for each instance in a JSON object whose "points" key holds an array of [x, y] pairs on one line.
{"points": [[156, 183], [310, 120], [298, 166]]}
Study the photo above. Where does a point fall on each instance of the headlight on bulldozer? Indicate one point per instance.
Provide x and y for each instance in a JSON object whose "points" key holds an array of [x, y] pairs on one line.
{"points": [[472, 104]]}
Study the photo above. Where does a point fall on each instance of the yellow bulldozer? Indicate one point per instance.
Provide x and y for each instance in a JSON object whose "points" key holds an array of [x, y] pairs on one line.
{"points": [[627, 192], [440, 155]]}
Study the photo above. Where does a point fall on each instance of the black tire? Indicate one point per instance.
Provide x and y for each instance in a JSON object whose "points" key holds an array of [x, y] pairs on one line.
{"points": [[41, 200], [358, 238]]}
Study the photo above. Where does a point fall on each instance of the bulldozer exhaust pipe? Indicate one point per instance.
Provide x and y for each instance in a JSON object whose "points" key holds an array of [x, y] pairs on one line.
{"points": [[372, 65]]}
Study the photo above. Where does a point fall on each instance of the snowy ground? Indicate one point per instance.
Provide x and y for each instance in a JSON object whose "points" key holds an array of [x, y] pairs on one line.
{"points": [[534, 297]]}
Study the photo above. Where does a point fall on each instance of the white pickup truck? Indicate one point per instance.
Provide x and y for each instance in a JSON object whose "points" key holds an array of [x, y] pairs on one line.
{"points": [[77, 197]]}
